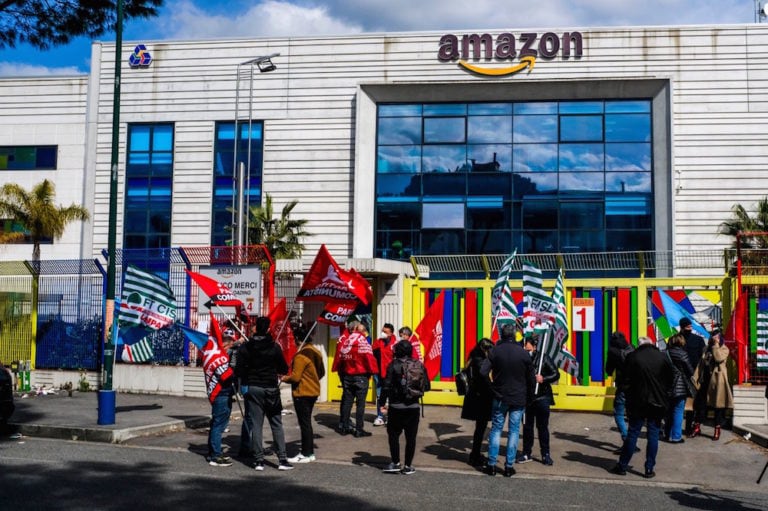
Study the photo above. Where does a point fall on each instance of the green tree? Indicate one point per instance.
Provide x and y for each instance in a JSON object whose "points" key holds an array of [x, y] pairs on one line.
{"points": [[282, 235], [742, 221], [46, 23], [36, 211]]}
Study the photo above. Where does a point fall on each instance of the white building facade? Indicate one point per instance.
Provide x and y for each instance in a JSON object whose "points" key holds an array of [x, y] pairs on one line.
{"points": [[457, 142]]}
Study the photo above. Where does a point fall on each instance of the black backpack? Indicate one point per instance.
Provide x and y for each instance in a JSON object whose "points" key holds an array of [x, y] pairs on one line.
{"points": [[413, 380]]}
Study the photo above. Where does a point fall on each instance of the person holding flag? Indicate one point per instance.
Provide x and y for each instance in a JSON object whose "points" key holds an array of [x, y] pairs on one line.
{"points": [[537, 412], [259, 363], [355, 363], [221, 408]]}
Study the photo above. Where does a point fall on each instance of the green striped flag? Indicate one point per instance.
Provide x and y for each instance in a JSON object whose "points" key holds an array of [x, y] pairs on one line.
{"points": [[561, 317], [507, 314], [539, 307], [138, 352], [502, 285], [147, 300]]}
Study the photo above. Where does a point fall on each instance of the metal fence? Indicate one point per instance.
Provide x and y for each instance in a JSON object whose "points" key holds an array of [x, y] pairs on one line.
{"points": [[15, 312]]}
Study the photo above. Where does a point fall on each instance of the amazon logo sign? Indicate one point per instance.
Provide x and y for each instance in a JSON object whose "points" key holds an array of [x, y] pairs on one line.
{"points": [[472, 49]]}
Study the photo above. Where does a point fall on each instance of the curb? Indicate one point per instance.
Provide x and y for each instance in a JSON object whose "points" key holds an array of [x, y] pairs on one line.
{"points": [[754, 436]]}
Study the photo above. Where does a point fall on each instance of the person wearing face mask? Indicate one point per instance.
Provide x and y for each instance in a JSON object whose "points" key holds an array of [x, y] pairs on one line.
{"points": [[383, 352], [537, 410]]}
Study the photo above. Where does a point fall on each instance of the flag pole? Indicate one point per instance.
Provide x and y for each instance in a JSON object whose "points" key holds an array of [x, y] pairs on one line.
{"points": [[304, 341], [287, 317], [542, 354]]}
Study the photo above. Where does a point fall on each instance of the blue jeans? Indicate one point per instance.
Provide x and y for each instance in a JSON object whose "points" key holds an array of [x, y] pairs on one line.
{"points": [[635, 425], [619, 409], [674, 423], [378, 381], [499, 413], [220, 411]]}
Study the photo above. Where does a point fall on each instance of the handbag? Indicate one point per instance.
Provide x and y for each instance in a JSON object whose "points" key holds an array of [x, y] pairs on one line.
{"points": [[692, 387], [462, 382]]}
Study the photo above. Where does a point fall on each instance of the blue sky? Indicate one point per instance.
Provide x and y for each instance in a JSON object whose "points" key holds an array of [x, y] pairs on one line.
{"points": [[197, 19]]}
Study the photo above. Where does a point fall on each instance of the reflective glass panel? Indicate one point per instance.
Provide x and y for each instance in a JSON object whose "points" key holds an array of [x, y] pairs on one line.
{"points": [[442, 215], [399, 110], [636, 182], [536, 107], [398, 216], [489, 184], [443, 242], [397, 244], [444, 130], [628, 128], [489, 242], [581, 157], [443, 158], [631, 157], [581, 107], [527, 185], [490, 157], [396, 186], [582, 182], [139, 138], [445, 109], [581, 128], [540, 214], [643, 106], [400, 130], [162, 137], [399, 159], [490, 214], [582, 241], [534, 158], [490, 108], [625, 241], [534, 128], [581, 215], [453, 184], [539, 242], [489, 129]]}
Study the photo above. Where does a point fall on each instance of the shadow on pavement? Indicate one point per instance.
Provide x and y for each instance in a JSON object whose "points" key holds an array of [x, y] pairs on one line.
{"points": [[134, 408], [585, 440], [697, 499], [592, 461], [371, 460]]}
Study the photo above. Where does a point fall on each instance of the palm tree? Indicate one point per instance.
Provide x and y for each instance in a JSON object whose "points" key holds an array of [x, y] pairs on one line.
{"points": [[282, 236], [742, 222], [35, 210]]}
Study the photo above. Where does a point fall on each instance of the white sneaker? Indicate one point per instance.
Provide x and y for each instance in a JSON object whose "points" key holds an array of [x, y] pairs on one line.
{"points": [[379, 421], [300, 458]]}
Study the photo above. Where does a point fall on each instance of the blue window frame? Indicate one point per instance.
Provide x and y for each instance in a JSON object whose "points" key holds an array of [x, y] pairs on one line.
{"points": [[148, 187], [223, 173], [552, 176], [28, 157]]}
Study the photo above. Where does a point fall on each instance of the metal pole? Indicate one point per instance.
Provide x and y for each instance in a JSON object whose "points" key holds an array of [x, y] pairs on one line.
{"points": [[106, 412], [241, 204]]}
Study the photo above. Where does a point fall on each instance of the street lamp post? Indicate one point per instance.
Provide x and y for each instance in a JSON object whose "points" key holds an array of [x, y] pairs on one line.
{"points": [[106, 412]]}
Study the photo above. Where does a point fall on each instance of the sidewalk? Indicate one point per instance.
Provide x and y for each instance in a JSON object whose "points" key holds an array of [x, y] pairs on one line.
{"points": [[582, 443]]}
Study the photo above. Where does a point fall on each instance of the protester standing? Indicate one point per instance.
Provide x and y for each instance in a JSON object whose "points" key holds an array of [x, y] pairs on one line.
{"points": [[355, 364], [511, 374], [618, 349], [221, 406], [648, 376], [404, 384], [694, 345], [383, 352], [478, 399], [681, 389], [260, 362], [719, 394], [537, 411], [306, 373]]}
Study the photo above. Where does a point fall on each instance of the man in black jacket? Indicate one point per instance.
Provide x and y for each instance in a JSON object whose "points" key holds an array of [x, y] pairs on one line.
{"points": [[694, 345], [618, 349], [259, 362], [538, 410], [510, 370], [648, 377]]}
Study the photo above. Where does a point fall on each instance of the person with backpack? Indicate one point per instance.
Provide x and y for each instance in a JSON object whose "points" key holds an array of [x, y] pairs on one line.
{"points": [[479, 398], [405, 383], [308, 370], [618, 349]]}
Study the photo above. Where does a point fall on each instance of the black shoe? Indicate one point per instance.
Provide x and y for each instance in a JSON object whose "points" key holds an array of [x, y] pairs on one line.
{"points": [[392, 468], [359, 433], [490, 470], [618, 451], [681, 441], [547, 460], [344, 431], [407, 471], [509, 471], [619, 470], [649, 474]]}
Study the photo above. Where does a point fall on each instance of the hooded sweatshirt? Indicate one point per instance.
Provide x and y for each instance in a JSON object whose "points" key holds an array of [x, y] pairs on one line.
{"points": [[260, 361]]}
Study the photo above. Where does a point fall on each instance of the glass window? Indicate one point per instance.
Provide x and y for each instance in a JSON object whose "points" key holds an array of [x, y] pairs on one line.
{"points": [[623, 182], [534, 158], [540, 214], [398, 216], [581, 128], [643, 106], [445, 109], [488, 213], [631, 157], [489, 242], [628, 212], [226, 149], [149, 186], [628, 128], [581, 182], [534, 128], [392, 244], [439, 130], [526, 185], [449, 158], [581, 215], [582, 241], [581, 157], [399, 110], [442, 242], [489, 129], [625, 241], [397, 186], [539, 242], [28, 157], [581, 107], [442, 216], [490, 157], [399, 158], [490, 109], [453, 184], [483, 184], [399, 130], [536, 108]]}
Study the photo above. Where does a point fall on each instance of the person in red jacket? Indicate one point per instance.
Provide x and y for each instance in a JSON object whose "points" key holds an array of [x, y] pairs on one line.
{"points": [[383, 351], [355, 364]]}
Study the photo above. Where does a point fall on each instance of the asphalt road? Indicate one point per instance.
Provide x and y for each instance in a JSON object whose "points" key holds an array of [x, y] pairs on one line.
{"points": [[55, 474]]}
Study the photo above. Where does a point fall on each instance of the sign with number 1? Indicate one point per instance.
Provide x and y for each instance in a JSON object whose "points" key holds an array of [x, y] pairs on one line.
{"points": [[583, 314]]}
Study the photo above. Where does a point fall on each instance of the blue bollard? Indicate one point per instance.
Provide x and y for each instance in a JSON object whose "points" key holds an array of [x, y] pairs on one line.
{"points": [[107, 407]]}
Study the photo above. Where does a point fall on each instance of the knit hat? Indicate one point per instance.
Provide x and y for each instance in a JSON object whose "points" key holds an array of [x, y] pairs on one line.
{"points": [[684, 322]]}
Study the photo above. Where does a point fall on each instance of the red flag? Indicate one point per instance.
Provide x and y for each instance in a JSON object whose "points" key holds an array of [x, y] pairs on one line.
{"points": [[216, 368], [735, 336], [282, 332], [337, 314], [216, 291], [430, 333], [326, 282]]}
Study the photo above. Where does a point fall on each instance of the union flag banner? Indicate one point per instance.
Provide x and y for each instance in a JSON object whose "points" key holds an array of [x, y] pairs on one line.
{"points": [[430, 334], [216, 368], [337, 314], [326, 282], [218, 293], [281, 331]]}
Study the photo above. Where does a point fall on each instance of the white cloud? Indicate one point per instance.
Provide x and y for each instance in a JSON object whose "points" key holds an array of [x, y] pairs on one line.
{"points": [[270, 18], [18, 69]]}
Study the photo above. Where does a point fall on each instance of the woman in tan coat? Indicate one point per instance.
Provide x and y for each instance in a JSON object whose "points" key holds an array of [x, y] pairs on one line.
{"points": [[719, 395]]}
